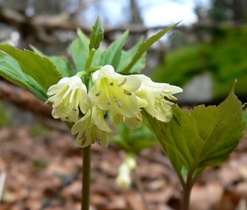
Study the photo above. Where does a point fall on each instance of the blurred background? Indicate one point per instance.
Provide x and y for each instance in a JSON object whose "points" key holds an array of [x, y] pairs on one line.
{"points": [[204, 54]]}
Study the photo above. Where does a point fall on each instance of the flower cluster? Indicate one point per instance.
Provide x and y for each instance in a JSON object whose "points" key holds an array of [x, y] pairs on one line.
{"points": [[123, 96]]}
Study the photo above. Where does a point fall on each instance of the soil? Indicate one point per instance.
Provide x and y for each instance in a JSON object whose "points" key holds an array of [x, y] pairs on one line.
{"points": [[42, 171]]}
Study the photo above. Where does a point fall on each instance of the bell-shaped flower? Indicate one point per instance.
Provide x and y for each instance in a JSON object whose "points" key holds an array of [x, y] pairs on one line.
{"points": [[159, 98], [115, 92], [68, 97], [90, 128], [124, 171], [123, 179], [130, 122]]}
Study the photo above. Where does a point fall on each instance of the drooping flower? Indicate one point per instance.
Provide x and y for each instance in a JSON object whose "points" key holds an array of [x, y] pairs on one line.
{"points": [[115, 92], [159, 98], [130, 122], [90, 128], [123, 179], [124, 171], [68, 97]]}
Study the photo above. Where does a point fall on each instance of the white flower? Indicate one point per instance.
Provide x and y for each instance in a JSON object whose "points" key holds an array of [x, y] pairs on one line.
{"points": [[124, 171], [130, 122], [158, 96], [123, 179], [90, 128], [115, 92], [130, 161], [67, 97]]}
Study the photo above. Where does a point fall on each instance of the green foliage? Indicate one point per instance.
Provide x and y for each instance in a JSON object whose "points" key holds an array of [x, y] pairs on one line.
{"points": [[80, 50], [131, 61], [127, 56], [97, 35], [113, 53], [37, 72], [61, 63], [224, 58], [144, 47], [178, 68], [245, 115], [218, 10], [133, 141], [204, 136], [28, 70]]}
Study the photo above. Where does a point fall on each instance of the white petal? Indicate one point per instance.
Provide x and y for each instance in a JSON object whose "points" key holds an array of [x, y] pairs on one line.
{"points": [[64, 80], [172, 89], [80, 124], [75, 82], [132, 82], [98, 119]]}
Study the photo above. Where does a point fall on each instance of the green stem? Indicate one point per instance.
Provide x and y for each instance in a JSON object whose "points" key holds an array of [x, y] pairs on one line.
{"points": [[85, 201], [90, 58], [187, 192], [86, 157], [140, 189]]}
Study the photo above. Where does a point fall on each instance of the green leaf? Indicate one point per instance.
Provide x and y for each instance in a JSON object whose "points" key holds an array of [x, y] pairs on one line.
{"points": [[127, 56], [80, 51], [133, 140], [39, 68], [145, 46], [245, 115], [11, 71], [204, 136], [97, 35], [112, 54], [61, 63], [97, 58]]}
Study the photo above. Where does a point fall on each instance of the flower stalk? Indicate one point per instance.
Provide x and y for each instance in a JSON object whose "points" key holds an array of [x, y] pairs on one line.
{"points": [[86, 159], [187, 191], [140, 189]]}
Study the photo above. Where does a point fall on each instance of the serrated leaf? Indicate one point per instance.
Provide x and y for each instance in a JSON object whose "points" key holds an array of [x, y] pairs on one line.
{"points": [[80, 50], [112, 54], [11, 71], [145, 46], [61, 63], [97, 35], [204, 136], [37, 67]]}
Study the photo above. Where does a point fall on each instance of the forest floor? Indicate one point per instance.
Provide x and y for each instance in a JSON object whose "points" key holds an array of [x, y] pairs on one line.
{"points": [[43, 172]]}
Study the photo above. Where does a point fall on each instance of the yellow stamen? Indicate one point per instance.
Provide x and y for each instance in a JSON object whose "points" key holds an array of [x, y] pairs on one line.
{"points": [[118, 103], [98, 93], [127, 93]]}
